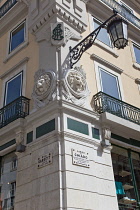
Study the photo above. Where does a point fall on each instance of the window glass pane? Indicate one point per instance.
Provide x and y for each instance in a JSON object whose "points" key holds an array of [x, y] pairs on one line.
{"points": [[17, 37], [109, 84], [103, 35], [136, 167], [13, 89], [8, 182], [123, 179], [137, 54]]}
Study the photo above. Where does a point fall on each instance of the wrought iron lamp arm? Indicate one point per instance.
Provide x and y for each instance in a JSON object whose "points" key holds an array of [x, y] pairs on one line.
{"points": [[77, 51]]}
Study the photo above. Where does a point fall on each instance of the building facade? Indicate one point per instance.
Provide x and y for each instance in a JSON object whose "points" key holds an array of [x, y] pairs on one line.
{"points": [[69, 134]]}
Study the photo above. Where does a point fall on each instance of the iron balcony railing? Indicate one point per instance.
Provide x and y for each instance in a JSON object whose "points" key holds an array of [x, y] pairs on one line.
{"points": [[19, 108], [123, 12], [6, 7], [107, 103]]}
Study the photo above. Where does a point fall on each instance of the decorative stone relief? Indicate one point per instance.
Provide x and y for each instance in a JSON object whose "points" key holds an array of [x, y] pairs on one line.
{"points": [[19, 137], [75, 86], [44, 87], [57, 33], [106, 133], [78, 7], [70, 35], [106, 136], [67, 3]]}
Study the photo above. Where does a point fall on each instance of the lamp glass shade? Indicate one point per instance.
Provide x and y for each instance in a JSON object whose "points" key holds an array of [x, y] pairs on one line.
{"points": [[117, 30]]}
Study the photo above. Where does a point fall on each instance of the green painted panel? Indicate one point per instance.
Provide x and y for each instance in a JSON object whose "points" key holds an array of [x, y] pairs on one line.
{"points": [[78, 126], [132, 142], [45, 128], [8, 144], [29, 137], [95, 133]]}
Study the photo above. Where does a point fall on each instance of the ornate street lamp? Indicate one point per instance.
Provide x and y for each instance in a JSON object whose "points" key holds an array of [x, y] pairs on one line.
{"points": [[117, 29]]}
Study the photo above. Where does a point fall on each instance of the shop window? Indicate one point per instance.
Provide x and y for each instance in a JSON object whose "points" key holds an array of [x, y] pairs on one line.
{"points": [[126, 187], [137, 53], [103, 36], [17, 36], [8, 186], [13, 89]]}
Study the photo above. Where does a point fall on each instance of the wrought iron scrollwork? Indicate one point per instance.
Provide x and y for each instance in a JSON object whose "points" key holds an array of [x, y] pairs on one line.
{"points": [[79, 49]]}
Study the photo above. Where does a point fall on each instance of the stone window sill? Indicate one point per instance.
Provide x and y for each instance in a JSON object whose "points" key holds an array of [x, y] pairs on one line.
{"points": [[15, 51], [106, 48]]}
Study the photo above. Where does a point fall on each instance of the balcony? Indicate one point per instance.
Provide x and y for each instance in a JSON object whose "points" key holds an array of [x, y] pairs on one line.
{"points": [[6, 7], [123, 12], [19, 108], [106, 103]]}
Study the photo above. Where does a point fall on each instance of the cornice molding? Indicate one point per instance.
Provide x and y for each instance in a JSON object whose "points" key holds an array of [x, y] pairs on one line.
{"points": [[24, 60], [16, 13], [63, 14], [106, 63]]}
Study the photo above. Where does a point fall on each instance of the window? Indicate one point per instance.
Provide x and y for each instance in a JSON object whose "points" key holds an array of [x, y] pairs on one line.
{"points": [[12, 192], [14, 164], [109, 83], [95, 133], [13, 88], [17, 36], [103, 36], [137, 53], [126, 167]]}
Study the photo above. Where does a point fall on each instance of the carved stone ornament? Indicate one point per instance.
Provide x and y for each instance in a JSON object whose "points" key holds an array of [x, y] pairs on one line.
{"points": [[106, 133], [57, 33], [75, 86], [19, 137], [70, 35], [44, 87]]}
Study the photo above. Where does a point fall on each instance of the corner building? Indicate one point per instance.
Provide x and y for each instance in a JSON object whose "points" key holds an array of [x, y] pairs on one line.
{"points": [[69, 137]]}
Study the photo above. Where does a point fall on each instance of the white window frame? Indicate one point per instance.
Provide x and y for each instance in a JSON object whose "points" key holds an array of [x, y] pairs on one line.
{"points": [[6, 77], [11, 35], [96, 20], [112, 72], [97, 42], [132, 44], [6, 85], [9, 53]]}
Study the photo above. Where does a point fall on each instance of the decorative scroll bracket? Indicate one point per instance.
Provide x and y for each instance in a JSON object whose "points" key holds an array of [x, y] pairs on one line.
{"points": [[80, 48]]}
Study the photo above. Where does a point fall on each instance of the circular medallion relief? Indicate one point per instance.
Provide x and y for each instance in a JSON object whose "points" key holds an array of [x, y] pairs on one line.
{"points": [[42, 84], [76, 82]]}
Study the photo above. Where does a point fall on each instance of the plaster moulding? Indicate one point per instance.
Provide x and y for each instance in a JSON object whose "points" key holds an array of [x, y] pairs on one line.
{"points": [[65, 16], [44, 89], [75, 87], [106, 63]]}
